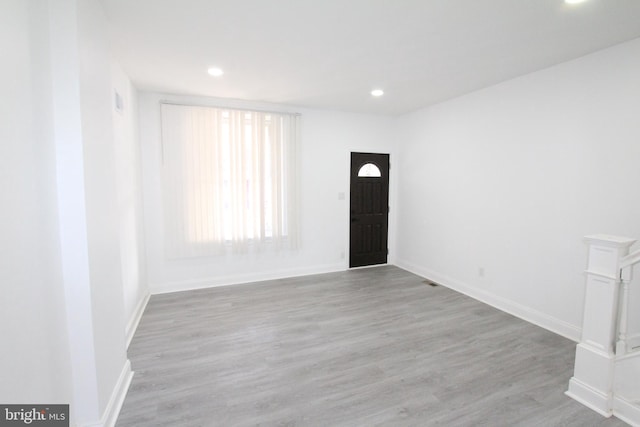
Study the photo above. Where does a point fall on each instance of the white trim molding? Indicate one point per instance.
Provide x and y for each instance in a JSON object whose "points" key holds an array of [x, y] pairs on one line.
{"points": [[629, 412], [111, 412], [134, 321], [523, 312], [212, 282], [626, 398], [589, 397]]}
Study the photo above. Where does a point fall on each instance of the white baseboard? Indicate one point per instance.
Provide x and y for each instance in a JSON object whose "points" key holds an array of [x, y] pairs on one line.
{"points": [[589, 397], [163, 288], [526, 313], [536, 317], [133, 323], [111, 412], [629, 412]]}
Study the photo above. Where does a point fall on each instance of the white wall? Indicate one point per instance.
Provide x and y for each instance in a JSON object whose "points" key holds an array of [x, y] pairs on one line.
{"points": [[87, 214], [327, 139], [129, 190], [102, 215], [61, 313], [510, 178], [34, 360]]}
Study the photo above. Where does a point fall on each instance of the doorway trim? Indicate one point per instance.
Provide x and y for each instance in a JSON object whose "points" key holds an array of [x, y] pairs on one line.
{"points": [[391, 231]]}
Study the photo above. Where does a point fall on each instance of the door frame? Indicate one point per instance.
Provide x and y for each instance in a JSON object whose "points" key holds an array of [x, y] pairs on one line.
{"points": [[391, 229]]}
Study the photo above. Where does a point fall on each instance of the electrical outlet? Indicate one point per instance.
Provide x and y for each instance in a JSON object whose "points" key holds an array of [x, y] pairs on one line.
{"points": [[481, 271]]}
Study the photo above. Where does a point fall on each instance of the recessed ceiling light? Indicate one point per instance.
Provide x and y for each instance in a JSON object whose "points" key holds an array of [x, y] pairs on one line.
{"points": [[573, 1], [215, 72], [377, 92]]}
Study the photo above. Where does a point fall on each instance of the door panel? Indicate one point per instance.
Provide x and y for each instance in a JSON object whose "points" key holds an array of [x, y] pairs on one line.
{"points": [[369, 209]]}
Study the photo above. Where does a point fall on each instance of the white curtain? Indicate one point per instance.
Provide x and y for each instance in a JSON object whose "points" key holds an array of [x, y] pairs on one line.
{"points": [[229, 179]]}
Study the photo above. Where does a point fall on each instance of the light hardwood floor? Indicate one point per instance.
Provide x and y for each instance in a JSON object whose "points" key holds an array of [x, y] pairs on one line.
{"points": [[358, 348]]}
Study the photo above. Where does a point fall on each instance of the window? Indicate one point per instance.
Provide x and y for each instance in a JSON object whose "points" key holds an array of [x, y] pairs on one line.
{"points": [[369, 170], [228, 179]]}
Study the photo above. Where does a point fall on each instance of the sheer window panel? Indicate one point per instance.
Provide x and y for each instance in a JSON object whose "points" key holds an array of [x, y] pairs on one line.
{"points": [[229, 179]]}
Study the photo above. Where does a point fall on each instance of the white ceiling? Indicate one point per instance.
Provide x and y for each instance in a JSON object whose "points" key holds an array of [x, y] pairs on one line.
{"points": [[331, 53]]}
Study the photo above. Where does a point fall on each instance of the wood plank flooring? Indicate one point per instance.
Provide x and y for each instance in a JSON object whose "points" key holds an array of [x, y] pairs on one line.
{"points": [[357, 348]]}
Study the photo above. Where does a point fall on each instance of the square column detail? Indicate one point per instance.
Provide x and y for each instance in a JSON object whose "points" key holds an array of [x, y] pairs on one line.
{"points": [[592, 382]]}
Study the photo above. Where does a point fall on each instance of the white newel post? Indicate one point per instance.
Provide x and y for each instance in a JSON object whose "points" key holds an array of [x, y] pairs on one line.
{"points": [[592, 381]]}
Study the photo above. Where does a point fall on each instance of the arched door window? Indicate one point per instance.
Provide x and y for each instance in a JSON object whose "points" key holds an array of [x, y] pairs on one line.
{"points": [[369, 170]]}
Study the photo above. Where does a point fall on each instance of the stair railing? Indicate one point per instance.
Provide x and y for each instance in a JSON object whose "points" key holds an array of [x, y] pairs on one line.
{"points": [[626, 274]]}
